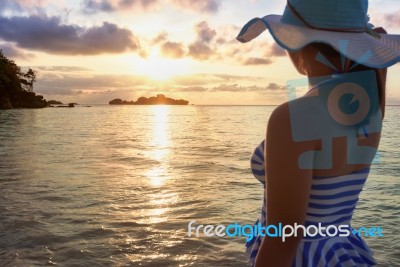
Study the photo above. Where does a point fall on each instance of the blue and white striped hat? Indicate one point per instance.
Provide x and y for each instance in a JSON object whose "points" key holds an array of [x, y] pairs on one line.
{"points": [[334, 22]]}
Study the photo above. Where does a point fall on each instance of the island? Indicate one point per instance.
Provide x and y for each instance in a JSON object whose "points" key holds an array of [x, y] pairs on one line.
{"points": [[54, 102], [160, 99]]}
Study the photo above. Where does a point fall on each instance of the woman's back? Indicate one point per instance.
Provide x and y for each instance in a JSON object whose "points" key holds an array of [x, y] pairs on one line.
{"points": [[340, 118]]}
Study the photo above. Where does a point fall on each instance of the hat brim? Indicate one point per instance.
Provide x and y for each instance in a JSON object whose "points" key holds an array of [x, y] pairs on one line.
{"points": [[362, 48]]}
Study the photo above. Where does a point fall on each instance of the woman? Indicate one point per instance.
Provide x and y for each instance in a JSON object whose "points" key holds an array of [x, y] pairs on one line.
{"points": [[319, 147]]}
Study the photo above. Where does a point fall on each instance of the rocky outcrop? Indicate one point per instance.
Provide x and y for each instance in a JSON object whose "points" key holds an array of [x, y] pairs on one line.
{"points": [[26, 99], [70, 105], [22, 99], [5, 102]]}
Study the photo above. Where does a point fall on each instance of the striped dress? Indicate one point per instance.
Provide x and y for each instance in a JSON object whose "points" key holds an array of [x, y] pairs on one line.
{"points": [[332, 202]]}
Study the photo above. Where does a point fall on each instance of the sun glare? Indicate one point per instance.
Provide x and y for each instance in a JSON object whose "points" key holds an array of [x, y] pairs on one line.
{"points": [[158, 68]]}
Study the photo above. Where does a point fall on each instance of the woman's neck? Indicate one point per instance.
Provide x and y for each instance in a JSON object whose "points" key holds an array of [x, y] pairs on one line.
{"points": [[313, 81]]}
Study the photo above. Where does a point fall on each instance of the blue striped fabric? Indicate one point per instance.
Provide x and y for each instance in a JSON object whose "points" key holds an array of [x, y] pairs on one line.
{"points": [[332, 202]]}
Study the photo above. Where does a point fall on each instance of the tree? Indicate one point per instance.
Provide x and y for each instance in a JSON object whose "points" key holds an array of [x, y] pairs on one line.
{"points": [[9, 75], [16, 86], [28, 79], [12, 79]]}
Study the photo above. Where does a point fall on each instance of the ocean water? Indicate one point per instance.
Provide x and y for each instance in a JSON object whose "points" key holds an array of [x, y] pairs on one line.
{"points": [[118, 185]]}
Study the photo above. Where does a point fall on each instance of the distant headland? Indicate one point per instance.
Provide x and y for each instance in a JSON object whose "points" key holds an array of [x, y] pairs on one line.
{"points": [[160, 99]]}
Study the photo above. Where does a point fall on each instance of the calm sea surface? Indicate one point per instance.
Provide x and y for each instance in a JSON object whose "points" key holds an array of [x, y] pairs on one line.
{"points": [[117, 185]]}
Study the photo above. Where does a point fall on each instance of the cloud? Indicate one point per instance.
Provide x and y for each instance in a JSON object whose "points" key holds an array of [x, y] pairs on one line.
{"points": [[271, 51], [48, 34], [20, 5], [95, 6], [172, 49], [10, 5], [64, 69], [13, 52], [202, 48], [201, 51], [257, 61], [161, 37], [192, 89], [92, 6], [229, 88], [275, 87], [211, 43], [270, 88], [212, 80], [391, 20], [208, 6], [202, 6], [56, 81], [77, 84], [204, 32], [277, 51]]}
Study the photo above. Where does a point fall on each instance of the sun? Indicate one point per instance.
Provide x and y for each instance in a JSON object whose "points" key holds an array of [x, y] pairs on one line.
{"points": [[158, 68]]}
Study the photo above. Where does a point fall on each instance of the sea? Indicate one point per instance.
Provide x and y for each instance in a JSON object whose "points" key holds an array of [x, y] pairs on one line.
{"points": [[118, 185]]}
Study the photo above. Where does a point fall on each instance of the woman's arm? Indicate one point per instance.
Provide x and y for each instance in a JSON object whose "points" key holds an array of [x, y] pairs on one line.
{"points": [[287, 189]]}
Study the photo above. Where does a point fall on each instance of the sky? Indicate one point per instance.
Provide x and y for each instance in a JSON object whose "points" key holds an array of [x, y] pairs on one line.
{"points": [[93, 51]]}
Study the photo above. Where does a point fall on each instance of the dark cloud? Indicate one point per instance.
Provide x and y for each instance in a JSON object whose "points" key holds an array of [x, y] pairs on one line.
{"points": [[172, 50], [92, 6], [13, 52], [22, 5], [95, 6], [257, 61], [131, 3], [10, 5], [48, 34]]}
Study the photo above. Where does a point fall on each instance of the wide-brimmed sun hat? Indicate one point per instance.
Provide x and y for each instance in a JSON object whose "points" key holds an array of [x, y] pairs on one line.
{"points": [[342, 24]]}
